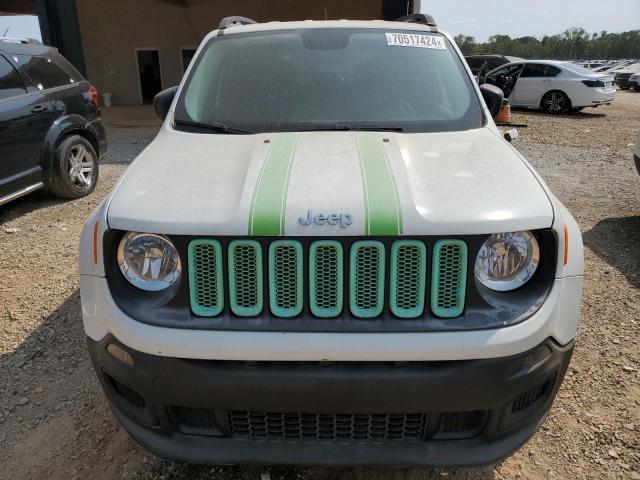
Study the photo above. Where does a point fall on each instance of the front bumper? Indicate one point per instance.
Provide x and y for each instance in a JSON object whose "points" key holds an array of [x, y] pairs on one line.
{"points": [[453, 413], [557, 318]]}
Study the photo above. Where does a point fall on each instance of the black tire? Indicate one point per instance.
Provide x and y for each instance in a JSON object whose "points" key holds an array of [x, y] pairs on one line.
{"points": [[555, 102], [71, 178]]}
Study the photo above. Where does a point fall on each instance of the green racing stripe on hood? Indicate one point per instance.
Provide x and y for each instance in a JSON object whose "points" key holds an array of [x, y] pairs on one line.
{"points": [[382, 203], [266, 217]]}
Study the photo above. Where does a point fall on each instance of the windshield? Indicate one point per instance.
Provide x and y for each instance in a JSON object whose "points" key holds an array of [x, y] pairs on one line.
{"points": [[321, 78]]}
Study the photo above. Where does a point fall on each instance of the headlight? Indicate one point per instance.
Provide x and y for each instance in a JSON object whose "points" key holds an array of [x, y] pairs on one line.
{"points": [[148, 261], [507, 261]]}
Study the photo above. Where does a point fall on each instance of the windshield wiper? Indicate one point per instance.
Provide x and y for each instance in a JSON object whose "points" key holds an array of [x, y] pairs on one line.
{"points": [[216, 127], [348, 128]]}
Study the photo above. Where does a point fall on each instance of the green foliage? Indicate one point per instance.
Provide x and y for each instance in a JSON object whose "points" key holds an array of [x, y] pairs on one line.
{"points": [[573, 44]]}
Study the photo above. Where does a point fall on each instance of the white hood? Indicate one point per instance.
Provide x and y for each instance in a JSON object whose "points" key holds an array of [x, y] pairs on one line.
{"points": [[360, 183]]}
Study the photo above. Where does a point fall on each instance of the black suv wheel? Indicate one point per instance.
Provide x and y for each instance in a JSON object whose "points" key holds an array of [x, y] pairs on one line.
{"points": [[75, 168]]}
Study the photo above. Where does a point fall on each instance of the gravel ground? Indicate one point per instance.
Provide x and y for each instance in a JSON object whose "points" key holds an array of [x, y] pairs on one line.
{"points": [[54, 420]]}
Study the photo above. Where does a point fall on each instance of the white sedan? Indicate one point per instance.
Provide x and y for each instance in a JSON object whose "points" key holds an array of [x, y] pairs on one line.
{"points": [[553, 86]]}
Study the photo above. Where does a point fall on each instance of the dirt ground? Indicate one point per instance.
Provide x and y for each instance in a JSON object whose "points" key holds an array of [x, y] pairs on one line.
{"points": [[55, 422]]}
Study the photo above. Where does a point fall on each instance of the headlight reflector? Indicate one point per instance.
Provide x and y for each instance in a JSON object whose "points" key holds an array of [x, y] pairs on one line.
{"points": [[149, 261], [507, 261]]}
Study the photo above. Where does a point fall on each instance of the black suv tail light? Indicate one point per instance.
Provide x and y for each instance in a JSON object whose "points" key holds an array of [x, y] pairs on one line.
{"points": [[93, 92]]}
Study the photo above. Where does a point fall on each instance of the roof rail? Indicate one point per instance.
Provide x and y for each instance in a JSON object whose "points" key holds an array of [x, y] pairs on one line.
{"points": [[231, 21], [19, 40], [419, 18]]}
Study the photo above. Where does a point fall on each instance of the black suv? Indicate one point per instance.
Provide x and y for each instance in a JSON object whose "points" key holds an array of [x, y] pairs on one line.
{"points": [[51, 133]]}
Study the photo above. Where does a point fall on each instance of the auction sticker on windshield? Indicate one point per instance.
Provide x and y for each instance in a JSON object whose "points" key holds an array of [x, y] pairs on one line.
{"points": [[415, 40]]}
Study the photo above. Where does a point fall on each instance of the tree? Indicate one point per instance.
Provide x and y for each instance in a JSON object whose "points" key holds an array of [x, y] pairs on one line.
{"points": [[572, 44]]}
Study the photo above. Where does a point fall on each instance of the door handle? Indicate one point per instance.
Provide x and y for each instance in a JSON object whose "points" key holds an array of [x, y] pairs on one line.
{"points": [[38, 109]]}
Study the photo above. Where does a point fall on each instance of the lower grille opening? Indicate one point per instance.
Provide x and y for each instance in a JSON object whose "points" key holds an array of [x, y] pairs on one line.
{"points": [[530, 397], [318, 426], [460, 424], [199, 421], [127, 393]]}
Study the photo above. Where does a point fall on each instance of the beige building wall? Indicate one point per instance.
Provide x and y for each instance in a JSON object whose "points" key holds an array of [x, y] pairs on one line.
{"points": [[113, 30]]}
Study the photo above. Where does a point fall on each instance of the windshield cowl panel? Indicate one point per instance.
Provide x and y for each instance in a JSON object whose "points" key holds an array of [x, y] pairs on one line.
{"points": [[328, 79]]}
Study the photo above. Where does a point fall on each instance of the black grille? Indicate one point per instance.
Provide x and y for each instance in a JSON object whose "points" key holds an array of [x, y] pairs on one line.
{"points": [[128, 393], [198, 418], [530, 397], [354, 427], [460, 424]]}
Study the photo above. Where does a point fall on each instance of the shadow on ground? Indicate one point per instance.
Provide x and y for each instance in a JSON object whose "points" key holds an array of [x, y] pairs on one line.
{"points": [[585, 114], [27, 204], [617, 242], [171, 470]]}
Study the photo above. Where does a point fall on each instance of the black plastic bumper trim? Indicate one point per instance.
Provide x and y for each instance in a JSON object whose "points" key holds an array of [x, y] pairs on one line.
{"points": [[490, 385]]}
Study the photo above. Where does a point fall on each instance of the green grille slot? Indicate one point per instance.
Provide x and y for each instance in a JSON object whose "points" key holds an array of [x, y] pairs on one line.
{"points": [[285, 278], [326, 278], [408, 278], [449, 278], [245, 277], [205, 278], [366, 278]]}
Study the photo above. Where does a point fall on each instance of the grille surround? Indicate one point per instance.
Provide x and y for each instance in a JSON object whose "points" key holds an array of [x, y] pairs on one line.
{"points": [[366, 274], [449, 278], [206, 287], [245, 300], [286, 278], [326, 287], [404, 303]]}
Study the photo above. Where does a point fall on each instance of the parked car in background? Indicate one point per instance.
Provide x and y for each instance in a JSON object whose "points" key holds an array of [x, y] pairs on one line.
{"points": [[51, 134], [634, 81], [623, 76], [485, 62], [552, 86], [591, 65]]}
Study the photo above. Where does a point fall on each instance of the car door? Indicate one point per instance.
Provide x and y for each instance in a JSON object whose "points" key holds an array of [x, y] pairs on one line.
{"points": [[531, 85], [505, 78], [24, 121]]}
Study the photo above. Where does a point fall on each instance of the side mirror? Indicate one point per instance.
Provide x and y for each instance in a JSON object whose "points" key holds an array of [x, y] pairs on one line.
{"points": [[162, 101], [493, 97]]}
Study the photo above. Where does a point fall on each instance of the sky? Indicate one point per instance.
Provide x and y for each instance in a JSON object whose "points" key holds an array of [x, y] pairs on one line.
{"points": [[23, 26], [519, 18], [480, 18]]}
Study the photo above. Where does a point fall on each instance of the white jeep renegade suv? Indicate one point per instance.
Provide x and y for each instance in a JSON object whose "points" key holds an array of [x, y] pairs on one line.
{"points": [[330, 254]]}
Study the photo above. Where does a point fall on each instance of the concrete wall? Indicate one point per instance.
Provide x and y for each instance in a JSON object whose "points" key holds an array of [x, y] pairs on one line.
{"points": [[112, 30]]}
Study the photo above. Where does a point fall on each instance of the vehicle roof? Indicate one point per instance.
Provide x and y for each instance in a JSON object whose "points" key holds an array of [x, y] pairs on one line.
{"points": [[260, 27], [34, 47]]}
